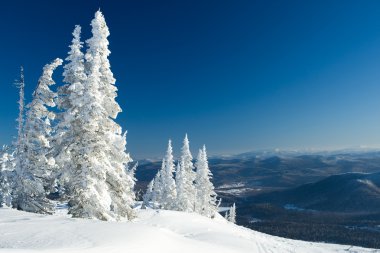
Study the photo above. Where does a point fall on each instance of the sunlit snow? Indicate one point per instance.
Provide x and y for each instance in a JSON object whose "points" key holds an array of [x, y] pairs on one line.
{"points": [[152, 231]]}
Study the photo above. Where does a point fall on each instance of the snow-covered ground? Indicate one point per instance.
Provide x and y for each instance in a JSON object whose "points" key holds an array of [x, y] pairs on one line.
{"points": [[152, 231]]}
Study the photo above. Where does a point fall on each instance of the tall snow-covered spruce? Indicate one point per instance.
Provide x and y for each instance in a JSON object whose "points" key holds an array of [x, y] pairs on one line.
{"points": [[20, 120], [33, 172], [100, 186], [71, 97], [19, 154], [206, 202], [185, 177], [38, 127]]}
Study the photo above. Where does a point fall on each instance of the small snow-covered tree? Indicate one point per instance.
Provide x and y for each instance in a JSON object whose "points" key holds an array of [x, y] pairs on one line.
{"points": [[7, 166], [101, 185], [33, 173], [185, 177], [148, 194], [168, 187], [163, 188], [180, 179], [156, 196], [231, 215], [206, 202]]}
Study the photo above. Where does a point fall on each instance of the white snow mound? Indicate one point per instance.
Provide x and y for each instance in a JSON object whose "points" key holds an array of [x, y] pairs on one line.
{"points": [[153, 231]]}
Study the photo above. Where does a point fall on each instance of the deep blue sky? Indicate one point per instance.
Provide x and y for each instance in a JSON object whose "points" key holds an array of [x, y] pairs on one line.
{"points": [[235, 75]]}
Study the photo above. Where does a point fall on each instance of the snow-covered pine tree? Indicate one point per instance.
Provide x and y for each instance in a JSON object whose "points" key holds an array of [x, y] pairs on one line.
{"points": [[33, 173], [74, 73], [206, 202], [100, 185], [38, 128], [20, 84], [20, 142], [7, 166], [120, 182], [162, 190], [168, 187], [156, 196], [18, 156], [69, 102], [231, 217], [9, 161], [185, 177], [148, 194], [180, 179], [89, 192], [98, 43]]}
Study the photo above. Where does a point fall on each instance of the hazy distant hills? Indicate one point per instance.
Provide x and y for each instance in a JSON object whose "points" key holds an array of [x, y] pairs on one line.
{"points": [[262, 172], [350, 192], [290, 171], [328, 181]]}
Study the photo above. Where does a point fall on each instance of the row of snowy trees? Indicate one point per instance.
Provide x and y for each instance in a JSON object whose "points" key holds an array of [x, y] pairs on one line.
{"points": [[190, 190], [68, 142]]}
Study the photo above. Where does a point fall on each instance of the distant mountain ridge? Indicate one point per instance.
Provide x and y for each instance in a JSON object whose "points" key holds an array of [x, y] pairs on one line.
{"points": [[266, 153], [349, 192]]}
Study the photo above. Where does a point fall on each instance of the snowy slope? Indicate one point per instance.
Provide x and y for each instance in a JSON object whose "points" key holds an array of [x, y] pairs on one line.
{"points": [[153, 231]]}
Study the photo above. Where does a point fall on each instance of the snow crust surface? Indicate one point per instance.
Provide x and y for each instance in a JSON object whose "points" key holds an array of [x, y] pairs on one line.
{"points": [[152, 231]]}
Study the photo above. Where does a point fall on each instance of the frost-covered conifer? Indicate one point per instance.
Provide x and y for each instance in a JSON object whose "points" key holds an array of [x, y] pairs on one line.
{"points": [[74, 73], [156, 196], [20, 128], [148, 194], [69, 102], [206, 202], [231, 217], [9, 160], [168, 187], [163, 189], [38, 127], [33, 173], [99, 44], [180, 179], [185, 177], [100, 186], [87, 172], [7, 166], [20, 142]]}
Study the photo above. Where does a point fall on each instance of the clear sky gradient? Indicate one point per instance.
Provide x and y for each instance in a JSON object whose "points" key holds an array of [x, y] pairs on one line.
{"points": [[235, 75]]}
